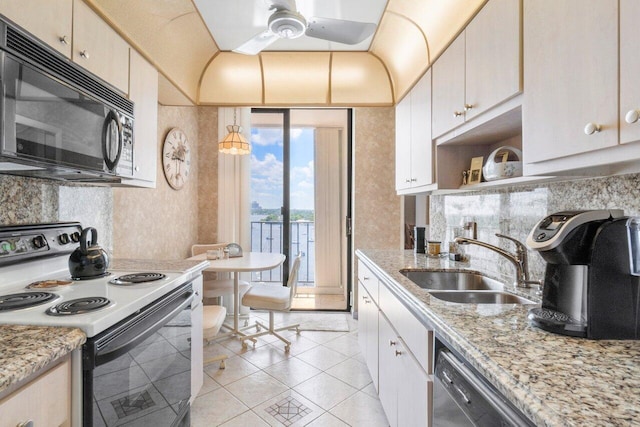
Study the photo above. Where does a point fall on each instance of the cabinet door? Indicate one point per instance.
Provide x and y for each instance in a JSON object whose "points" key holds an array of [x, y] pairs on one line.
{"points": [[98, 48], [48, 20], [197, 355], [421, 160], [629, 70], [492, 56], [388, 375], [571, 77], [143, 91], [403, 143], [448, 88], [414, 404], [368, 331]]}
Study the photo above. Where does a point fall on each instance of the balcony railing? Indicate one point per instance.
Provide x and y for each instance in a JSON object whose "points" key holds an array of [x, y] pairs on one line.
{"points": [[266, 236]]}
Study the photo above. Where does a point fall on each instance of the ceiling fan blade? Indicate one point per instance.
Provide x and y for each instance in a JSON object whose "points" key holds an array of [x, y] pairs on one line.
{"points": [[257, 43], [282, 4], [339, 30]]}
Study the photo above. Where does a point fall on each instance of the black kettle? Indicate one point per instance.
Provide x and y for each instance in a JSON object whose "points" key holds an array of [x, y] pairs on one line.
{"points": [[89, 260]]}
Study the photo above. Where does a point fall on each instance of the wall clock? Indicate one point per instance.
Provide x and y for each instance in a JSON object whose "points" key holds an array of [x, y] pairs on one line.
{"points": [[176, 158]]}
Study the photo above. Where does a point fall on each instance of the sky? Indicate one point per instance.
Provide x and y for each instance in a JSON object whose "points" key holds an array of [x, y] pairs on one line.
{"points": [[267, 168]]}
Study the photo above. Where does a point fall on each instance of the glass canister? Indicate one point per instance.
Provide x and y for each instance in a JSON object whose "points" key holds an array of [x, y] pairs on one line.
{"points": [[633, 239]]}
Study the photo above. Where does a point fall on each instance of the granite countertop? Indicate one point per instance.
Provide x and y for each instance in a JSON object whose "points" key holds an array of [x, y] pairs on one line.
{"points": [[24, 350], [553, 379]]}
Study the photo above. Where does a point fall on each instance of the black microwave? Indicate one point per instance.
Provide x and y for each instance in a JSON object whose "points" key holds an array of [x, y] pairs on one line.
{"points": [[57, 120]]}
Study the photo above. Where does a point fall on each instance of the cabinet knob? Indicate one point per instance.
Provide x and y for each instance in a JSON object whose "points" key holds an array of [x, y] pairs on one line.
{"points": [[392, 343], [468, 107], [592, 128], [457, 113], [398, 353], [137, 168], [25, 424], [365, 278], [64, 39], [414, 179], [407, 180], [632, 116], [84, 54]]}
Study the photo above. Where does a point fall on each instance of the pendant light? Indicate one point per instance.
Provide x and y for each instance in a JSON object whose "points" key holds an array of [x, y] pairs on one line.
{"points": [[234, 142]]}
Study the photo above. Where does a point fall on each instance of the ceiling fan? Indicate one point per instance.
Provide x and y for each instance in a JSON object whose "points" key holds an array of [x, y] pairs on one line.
{"points": [[286, 22]]}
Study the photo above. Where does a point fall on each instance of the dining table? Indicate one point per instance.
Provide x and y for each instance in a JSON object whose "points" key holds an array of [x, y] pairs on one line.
{"points": [[248, 262]]}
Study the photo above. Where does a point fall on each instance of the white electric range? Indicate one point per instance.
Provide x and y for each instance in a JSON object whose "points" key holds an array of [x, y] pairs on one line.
{"points": [[137, 325]]}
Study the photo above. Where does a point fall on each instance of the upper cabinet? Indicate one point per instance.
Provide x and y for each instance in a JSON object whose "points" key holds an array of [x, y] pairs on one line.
{"points": [[629, 71], [480, 69], [98, 48], [414, 150], [48, 20], [143, 91], [571, 82]]}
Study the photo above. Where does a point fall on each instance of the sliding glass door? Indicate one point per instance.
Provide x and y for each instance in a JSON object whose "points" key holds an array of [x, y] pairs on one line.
{"points": [[299, 197]]}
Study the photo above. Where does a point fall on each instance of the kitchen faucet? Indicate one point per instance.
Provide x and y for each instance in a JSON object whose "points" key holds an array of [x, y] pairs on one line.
{"points": [[519, 260]]}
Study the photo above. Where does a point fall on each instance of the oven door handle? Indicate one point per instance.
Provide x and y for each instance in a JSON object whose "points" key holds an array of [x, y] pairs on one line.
{"points": [[140, 328]]}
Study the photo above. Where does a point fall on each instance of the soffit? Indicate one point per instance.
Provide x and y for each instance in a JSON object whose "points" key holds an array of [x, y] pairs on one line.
{"points": [[173, 36]]}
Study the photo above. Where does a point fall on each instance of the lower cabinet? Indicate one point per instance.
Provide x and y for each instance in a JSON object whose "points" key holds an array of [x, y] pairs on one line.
{"points": [[197, 355], [398, 350], [45, 401], [404, 387], [368, 331]]}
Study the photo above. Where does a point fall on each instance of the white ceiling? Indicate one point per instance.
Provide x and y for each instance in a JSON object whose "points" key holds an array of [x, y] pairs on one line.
{"points": [[233, 22]]}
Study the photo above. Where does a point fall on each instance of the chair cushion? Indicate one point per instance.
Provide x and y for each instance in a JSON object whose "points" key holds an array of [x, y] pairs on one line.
{"points": [[267, 297], [212, 318]]}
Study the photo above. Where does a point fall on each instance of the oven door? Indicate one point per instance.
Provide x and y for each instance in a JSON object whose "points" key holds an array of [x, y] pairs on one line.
{"points": [[139, 371], [48, 122]]}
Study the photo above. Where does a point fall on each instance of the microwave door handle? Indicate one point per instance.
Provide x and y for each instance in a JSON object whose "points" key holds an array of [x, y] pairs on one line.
{"points": [[143, 330]]}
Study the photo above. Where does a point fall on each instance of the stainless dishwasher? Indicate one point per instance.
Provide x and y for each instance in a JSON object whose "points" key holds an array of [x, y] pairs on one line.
{"points": [[462, 397]]}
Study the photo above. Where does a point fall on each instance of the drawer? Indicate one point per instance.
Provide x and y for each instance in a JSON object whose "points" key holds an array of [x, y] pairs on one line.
{"points": [[46, 400], [368, 280], [418, 338]]}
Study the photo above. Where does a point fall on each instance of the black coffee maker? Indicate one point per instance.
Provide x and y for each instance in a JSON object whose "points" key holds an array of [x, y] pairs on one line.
{"points": [[589, 290]]}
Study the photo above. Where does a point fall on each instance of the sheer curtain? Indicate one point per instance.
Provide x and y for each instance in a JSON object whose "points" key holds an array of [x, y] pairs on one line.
{"points": [[234, 175]]}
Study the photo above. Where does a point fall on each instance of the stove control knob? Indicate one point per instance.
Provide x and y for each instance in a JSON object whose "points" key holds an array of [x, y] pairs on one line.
{"points": [[75, 237], [63, 238], [39, 242]]}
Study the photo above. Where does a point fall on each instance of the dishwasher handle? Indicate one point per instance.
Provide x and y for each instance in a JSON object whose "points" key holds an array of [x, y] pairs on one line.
{"points": [[482, 404]]}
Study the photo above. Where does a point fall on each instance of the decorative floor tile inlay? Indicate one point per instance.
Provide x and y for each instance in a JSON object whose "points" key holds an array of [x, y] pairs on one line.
{"points": [[131, 404], [288, 411]]}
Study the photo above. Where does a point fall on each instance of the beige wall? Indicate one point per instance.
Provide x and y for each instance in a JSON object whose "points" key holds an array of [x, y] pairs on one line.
{"points": [[160, 223], [208, 175], [377, 211]]}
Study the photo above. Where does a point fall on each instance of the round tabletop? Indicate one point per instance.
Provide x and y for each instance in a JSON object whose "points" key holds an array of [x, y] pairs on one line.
{"points": [[250, 261]]}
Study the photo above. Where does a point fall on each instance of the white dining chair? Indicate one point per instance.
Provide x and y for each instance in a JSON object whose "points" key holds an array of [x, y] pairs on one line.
{"points": [[213, 287], [273, 298], [212, 320]]}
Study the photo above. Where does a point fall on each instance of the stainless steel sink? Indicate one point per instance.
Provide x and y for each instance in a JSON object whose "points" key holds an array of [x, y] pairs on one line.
{"points": [[451, 280], [480, 297]]}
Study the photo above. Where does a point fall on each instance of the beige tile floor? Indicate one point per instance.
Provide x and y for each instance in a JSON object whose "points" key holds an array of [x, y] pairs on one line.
{"points": [[322, 381], [318, 302]]}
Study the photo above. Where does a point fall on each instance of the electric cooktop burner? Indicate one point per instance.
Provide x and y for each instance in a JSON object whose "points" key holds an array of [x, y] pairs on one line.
{"points": [[24, 300], [136, 278], [78, 306]]}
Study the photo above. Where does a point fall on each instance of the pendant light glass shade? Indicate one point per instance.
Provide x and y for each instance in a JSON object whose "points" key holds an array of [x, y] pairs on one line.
{"points": [[234, 142]]}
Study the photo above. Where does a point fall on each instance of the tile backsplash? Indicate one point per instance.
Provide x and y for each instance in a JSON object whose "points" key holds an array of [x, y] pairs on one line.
{"points": [[514, 211]]}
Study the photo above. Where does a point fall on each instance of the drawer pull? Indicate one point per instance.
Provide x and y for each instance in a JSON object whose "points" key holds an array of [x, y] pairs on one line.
{"points": [[392, 343], [632, 116], [457, 113], [398, 353], [592, 128], [365, 278], [468, 107]]}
